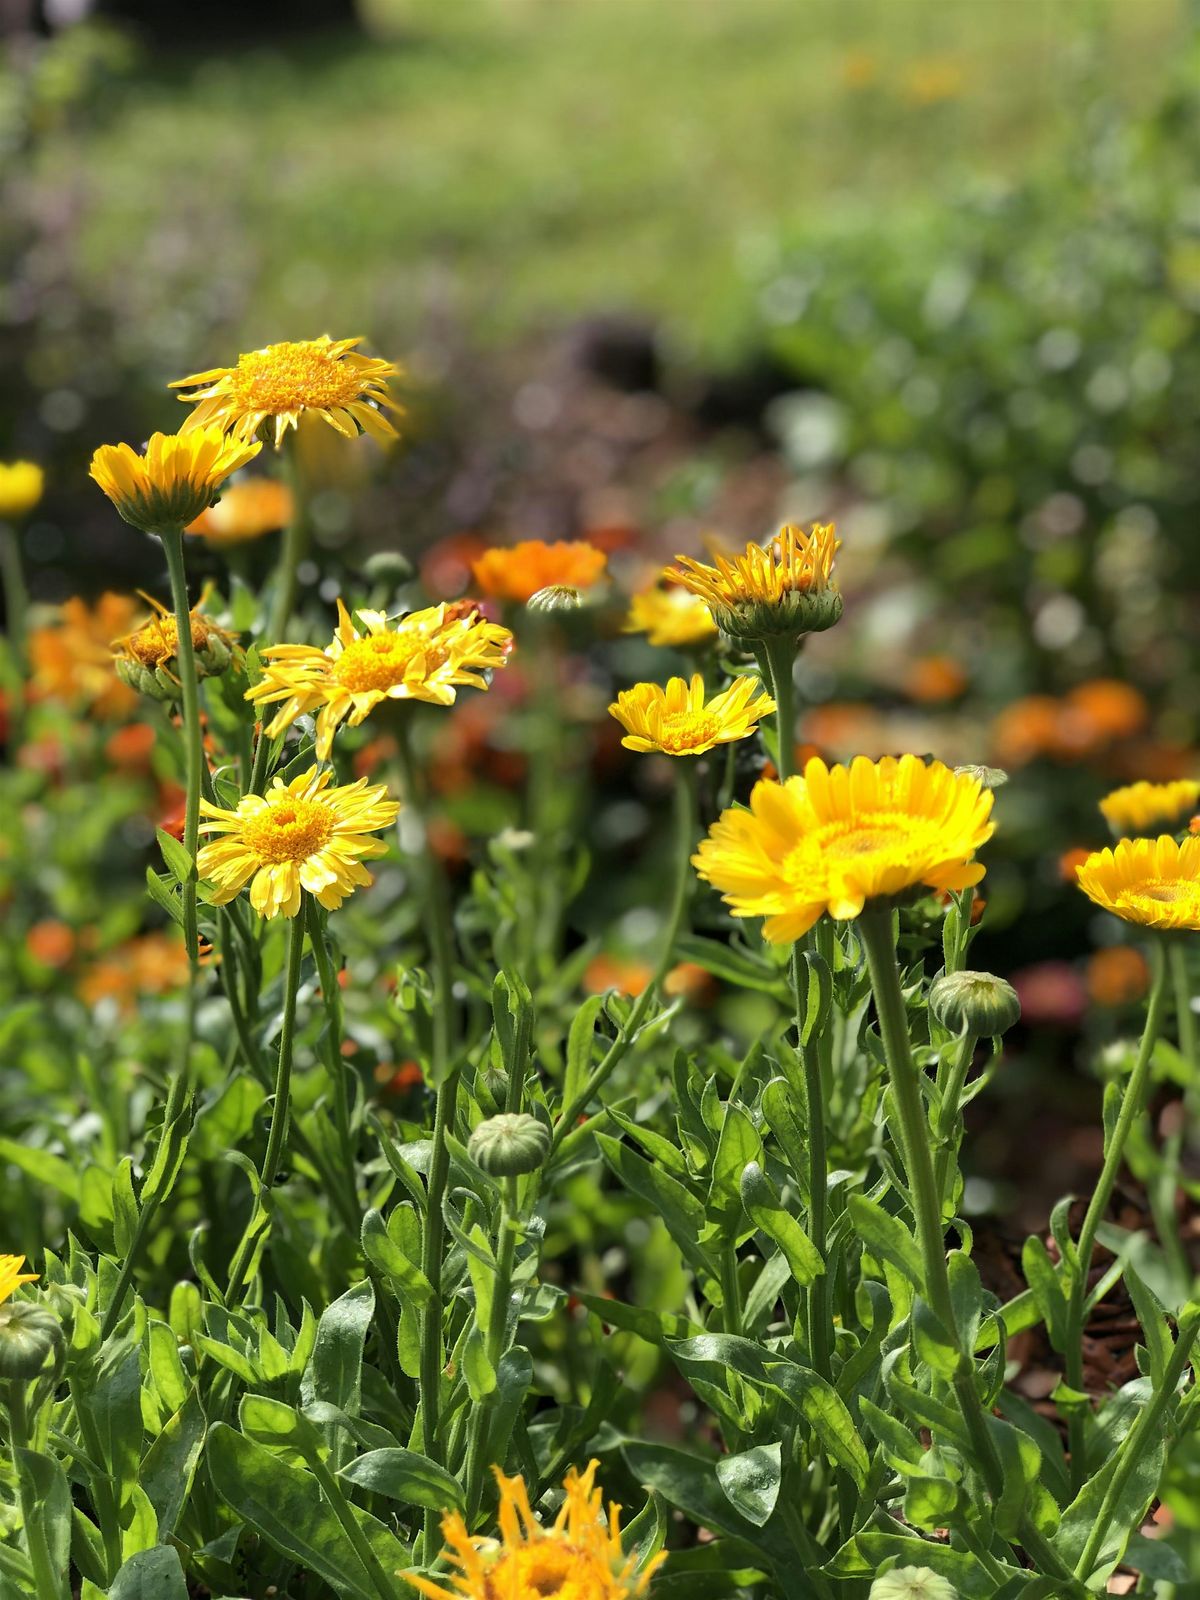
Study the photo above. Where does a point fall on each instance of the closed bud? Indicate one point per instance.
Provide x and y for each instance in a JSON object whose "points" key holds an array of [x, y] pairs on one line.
{"points": [[29, 1334], [978, 1003], [555, 597], [509, 1145], [913, 1583], [388, 567]]}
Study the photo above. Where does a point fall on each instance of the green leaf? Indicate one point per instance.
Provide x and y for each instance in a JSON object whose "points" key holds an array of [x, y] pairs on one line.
{"points": [[151, 1575], [654, 1326], [169, 1465], [275, 1423], [934, 1344], [580, 1042], [1046, 1288], [51, 1505], [931, 1502], [766, 1210], [725, 961], [40, 1165], [751, 1481], [1153, 1319], [382, 1251], [477, 1369], [902, 1449], [179, 863], [1126, 1514], [886, 1237], [738, 1146], [406, 1476], [125, 1207], [867, 1552], [689, 1483], [164, 896], [334, 1375], [677, 1206]]}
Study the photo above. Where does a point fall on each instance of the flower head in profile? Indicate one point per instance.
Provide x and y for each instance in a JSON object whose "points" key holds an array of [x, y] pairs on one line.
{"points": [[146, 658], [785, 587], [578, 1557], [178, 477], [840, 838], [71, 659], [246, 510], [21, 484], [679, 721], [11, 1276], [299, 835], [671, 618], [427, 655], [1150, 808], [323, 378], [516, 572], [1153, 882]]}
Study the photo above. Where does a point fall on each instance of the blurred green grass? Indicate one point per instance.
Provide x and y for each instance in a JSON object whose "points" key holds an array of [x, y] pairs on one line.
{"points": [[504, 163]]}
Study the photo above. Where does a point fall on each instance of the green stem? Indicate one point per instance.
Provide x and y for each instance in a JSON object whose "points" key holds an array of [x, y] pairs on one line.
{"points": [[281, 1105], [258, 769], [685, 831], [344, 1512], [1132, 1105], [16, 613], [507, 1231], [49, 1585], [779, 653], [820, 1321], [1165, 1190], [292, 548], [948, 1128], [331, 995]]}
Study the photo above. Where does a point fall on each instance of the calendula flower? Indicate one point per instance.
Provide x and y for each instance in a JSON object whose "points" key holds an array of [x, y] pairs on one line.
{"points": [[785, 587], [679, 721], [516, 572], [299, 835], [11, 1276], [178, 477], [149, 965], [21, 484], [1117, 976], [145, 658], [672, 618], [1153, 882], [246, 510], [71, 659], [325, 378], [1145, 808], [840, 838], [427, 655], [579, 1557]]}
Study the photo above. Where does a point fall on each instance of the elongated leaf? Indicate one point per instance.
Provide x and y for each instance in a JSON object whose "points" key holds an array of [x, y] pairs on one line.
{"points": [[169, 1465], [406, 1476], [886, 1236], [335, 1372], [653, 1326], [766, 1211], [150, 1575], [677, 1206]]}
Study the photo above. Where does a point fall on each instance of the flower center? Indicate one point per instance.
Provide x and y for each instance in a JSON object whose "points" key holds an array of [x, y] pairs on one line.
{"points": [[381, 660], [288, 830], [544, 1569], [1165, 890], [158, 640], [868, 836], [684, 730], [288, 377]]}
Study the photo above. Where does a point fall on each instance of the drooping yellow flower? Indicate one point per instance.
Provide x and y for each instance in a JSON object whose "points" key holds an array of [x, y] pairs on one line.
{"points": [[516, 572], [1150, 808], [11, 1276], [246, 510], [21, 484], [1153, 882], [785, 587], [840, 837], [679, 721], [299, 835], [671, 618], [579, 1557], [71, 659], [427, 655], [145, 658], [179, 476], [325, 378]]}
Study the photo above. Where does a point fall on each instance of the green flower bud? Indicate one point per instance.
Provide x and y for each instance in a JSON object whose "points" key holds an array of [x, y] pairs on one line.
{"points": [[147, 659], [555, 597], [29, 1334], [509, 1145], [388, 567], [795, 613], [978, 1003], [912, 1583]]}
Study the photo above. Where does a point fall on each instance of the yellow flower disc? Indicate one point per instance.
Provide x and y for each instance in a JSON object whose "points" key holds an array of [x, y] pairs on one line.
{"points": [[1150, 808], [1153, 882], [679, 721]]}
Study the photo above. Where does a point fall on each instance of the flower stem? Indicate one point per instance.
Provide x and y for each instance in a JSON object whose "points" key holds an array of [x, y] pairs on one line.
{"points": [[819, 1316], [1132, 1105], [49, 1585], [16, 611], [331, 996], [779, 656], [292, 549], [1165, 1189], [344, 1512], [507, 1230], [948, 1117]]}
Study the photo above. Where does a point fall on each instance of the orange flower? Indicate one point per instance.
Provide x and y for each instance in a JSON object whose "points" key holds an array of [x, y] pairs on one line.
{"points": [[1103, 710], [1117, 976], [51, 943], [516, 572], [606, 972], [246, 510], [932, 679], [71, 660], [152, 964], [841, 728], [692, 983], [1070, 862], [399, 1079], [129, 749], [1025, 730]]}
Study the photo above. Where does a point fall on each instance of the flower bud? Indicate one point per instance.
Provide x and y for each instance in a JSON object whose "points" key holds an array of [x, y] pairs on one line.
{"points": [[388, 567], [555, 597], [978, 1003], [509, 1145], [28, 1336], [147, 659], [912, 1583]]}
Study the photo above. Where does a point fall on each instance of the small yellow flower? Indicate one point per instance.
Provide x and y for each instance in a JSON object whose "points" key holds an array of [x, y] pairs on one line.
{"points": [[1150, 808], [785, 587], [427, 655], [578, 1558], [678, 721], [145, 658], [299, 835], [1153, 882], [179, 476], [21, 484], [670, 618], [840, 837], [11, 1276], [246, 510], [516, 572], [325, 378], [71, 659]]}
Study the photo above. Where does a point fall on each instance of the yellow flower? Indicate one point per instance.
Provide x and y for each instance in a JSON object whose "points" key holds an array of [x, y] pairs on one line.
{"points": [[841, 837], [1142, 808], [578, 1558], [327, 378], [11, 1276], [670, 618], [299, 835], [516, 572], [145, 658], [71, 660], [785, 587], [678, 721], [246, 510], [1153, 882], [427, 655], [179, 476], [21, 485]]}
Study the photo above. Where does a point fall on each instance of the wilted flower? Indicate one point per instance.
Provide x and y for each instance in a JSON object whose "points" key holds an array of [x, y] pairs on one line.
{"points": [[1153, 882], [178, 477], [147, 658], [21, 484], [516, 572], [1150, 808], [679, 721], [784, 588]]}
